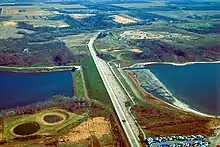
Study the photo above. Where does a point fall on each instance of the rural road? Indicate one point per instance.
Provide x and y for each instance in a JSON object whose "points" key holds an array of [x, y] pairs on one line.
{"points": [[114, 92]]}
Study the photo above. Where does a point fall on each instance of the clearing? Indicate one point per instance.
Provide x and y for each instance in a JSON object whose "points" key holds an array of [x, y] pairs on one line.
{"points": [[97, 127], [125, 19], [81, 16]]}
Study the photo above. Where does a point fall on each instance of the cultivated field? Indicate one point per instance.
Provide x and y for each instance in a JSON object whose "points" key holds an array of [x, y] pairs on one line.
{"points": [[9, 32], [48, 23], [125, 19], [81, 16], [76, 42], [25, 10], [140, 5]]}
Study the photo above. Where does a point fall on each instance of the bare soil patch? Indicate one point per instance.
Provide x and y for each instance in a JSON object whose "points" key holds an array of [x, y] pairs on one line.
{"points": [[124, 19], [97, 127], [8, 24], [136, 50]]}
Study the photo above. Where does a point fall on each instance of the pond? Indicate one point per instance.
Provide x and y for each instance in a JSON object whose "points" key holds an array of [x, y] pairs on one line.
{"points": [[26, 128], [197, 85], [19, 89]]}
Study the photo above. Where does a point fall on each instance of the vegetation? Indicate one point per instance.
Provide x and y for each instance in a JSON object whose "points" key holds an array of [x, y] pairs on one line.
{"points": [[176, 47], [11, 123], [79, 89], [94, 84], [165, 121]]}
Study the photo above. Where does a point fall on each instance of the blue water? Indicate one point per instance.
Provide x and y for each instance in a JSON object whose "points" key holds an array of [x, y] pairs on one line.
{"points": [[198, 85], [19, 89]]}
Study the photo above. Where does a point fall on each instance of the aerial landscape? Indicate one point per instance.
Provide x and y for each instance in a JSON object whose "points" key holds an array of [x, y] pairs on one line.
{"points": [[106, 73]]}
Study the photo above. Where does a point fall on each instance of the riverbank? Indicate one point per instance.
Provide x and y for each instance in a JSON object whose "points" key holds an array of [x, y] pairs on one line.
{"points": [[37, 69]]}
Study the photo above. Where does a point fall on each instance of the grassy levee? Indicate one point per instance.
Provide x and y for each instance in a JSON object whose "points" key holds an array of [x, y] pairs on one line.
{"points": [[95, 87], [35, 69], [78, 84]]}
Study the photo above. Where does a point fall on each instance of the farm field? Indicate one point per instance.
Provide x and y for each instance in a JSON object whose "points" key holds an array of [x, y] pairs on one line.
{"points": [[8, 32], [48, 23], [140, 5], [81, 16], [76, 42], [124, 19]]}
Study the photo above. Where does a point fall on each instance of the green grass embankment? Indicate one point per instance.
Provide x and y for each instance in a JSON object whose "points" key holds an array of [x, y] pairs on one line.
{"points": [[79, 87], [95, 87]]}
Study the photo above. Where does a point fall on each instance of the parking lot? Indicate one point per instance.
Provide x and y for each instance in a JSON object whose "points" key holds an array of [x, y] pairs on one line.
{"points": [[178, 141]]}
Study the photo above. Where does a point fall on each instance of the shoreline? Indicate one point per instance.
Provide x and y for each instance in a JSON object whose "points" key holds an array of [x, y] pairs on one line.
{"points": [[36, 69], [179, 104], [170, 63]]}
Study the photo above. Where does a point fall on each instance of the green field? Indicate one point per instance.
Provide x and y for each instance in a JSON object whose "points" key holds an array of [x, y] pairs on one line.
{"points": [[95, 87], [78, 43]]}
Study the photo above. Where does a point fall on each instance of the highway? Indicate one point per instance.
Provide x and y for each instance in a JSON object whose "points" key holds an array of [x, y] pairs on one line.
{"points": [[115, 93]]}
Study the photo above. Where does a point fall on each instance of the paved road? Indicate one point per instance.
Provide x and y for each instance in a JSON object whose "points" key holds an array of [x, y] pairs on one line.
{"points": [[115, 93]]}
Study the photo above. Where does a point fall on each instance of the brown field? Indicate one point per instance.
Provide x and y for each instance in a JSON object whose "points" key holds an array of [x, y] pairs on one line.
{"points": [[165, 121], [81, 16], [97, 127], [29, 11], [124, 19], [8, 24]]}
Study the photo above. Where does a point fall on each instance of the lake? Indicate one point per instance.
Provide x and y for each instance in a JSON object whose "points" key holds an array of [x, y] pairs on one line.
{"points": [[19, 89], [197, 85]]}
